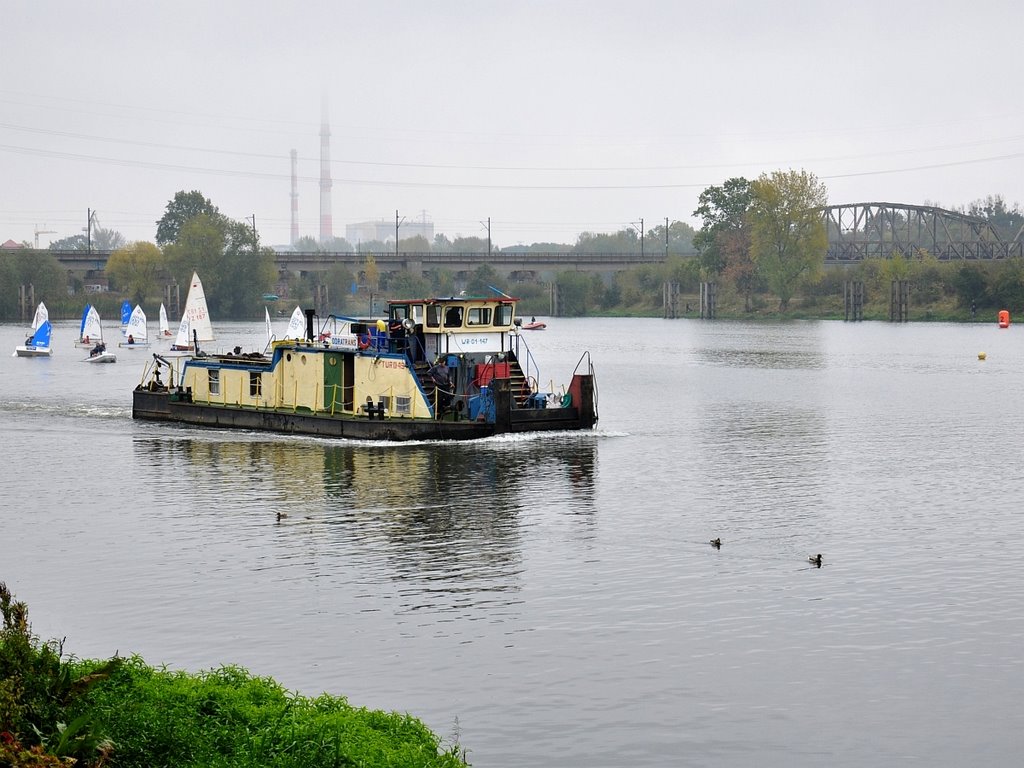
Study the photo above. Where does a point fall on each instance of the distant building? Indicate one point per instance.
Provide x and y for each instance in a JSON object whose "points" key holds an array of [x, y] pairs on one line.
{"points": [[384, 231], [12, 244]]}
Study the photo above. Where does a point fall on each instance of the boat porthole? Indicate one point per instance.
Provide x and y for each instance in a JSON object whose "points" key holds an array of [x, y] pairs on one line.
{"points": [[332, 360], [303, 359], [288, 357]]}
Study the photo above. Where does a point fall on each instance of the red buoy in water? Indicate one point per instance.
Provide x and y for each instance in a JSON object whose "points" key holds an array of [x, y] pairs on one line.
{"points": [[1004, 318]]}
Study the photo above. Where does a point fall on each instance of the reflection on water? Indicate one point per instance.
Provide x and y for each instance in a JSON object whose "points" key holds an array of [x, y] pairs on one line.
{"points": [[446, 517]]}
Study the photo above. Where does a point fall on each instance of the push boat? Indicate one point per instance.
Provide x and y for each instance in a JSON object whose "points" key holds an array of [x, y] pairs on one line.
{"points": [[434, 369]]}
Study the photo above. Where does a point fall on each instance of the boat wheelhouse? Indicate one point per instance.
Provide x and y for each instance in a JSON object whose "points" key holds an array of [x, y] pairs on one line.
{"points": [[440, 368]]}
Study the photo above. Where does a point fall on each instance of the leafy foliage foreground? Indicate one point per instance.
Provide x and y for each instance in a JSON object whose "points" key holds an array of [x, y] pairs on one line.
{"points": [[60, 712]]}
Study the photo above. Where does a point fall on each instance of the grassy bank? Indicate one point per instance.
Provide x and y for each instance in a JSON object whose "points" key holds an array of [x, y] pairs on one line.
{"points": [[59, 711]]}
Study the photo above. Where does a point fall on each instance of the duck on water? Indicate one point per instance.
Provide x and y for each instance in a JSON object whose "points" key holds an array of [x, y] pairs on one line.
{"points": [[452, 368]]}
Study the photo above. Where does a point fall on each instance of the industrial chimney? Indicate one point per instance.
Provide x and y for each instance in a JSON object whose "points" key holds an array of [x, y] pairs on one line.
{"points": [[295, 197], [326, 232]]}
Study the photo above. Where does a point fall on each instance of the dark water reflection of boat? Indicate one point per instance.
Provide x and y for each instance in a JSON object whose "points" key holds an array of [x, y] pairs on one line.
{"points": [[447, 516]]}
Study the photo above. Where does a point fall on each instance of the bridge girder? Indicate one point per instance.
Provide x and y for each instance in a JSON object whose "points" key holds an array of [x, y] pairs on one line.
{"points": [[858, 231]]}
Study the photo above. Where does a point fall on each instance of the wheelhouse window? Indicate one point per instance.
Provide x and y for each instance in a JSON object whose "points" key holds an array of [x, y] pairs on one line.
{"points": [[213, 380], [255, 384], [478, 316], [503, 315], [433, 315], [399, 311]]}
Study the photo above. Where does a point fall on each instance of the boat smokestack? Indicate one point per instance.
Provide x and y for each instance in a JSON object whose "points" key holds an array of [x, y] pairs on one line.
{"points": [[309, 324]]}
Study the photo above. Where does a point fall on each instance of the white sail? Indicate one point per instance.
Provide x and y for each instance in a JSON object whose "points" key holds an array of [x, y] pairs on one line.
{"points": [[91, 328], [165, 329], [296, 325], [197, 313], [184, 339], [270, 330], [137, 325], [41, 316]]}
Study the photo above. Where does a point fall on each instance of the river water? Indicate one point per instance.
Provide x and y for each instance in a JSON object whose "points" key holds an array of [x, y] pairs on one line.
{"points": [[553, 600]]}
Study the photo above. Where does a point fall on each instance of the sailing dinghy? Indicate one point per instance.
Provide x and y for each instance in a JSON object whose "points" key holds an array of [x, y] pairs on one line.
{"points": [[195, 320], [38, 344], [92, 329], [165, 329], [138, 335]]}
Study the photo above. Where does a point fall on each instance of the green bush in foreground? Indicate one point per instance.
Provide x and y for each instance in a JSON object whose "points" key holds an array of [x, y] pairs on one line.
{"points": [[227, 717], [124, 713]]}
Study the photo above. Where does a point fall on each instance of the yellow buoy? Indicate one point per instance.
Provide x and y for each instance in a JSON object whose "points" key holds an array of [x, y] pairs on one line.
{"points": [[981, 355]]}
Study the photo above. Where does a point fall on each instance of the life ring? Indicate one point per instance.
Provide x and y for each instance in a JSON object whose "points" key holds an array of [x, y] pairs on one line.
{"points": [[363, 342], [325, 336]]}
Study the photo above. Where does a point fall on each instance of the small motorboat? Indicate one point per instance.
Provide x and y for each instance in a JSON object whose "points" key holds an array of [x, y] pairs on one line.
{"points": [[533, 325]]}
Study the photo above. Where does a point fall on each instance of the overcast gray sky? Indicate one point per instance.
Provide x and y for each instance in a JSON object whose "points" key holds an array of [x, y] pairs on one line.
{"points": [[551, 118]]}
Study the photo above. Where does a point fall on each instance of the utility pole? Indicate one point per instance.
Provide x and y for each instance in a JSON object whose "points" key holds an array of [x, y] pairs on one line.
{"points": [[255, 240], [666, 237], [641, 237], [488, 225], [397, 223]]}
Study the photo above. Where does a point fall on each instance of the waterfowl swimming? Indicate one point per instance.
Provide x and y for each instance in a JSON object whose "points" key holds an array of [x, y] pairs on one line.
{"points": [[815, 560], [716, 543], [281, 516]]}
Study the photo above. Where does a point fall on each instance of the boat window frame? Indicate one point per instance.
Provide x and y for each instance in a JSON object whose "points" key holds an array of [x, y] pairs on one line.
{"points": [[503, 310], [433, 316], [213, 380], [255, 384], [483, 313]]}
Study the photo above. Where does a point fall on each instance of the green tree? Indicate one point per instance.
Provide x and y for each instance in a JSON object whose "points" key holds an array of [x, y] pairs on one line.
{"points": [[135, 270], [27, 267], [247, 271], [722, 210], [579, 293], [183, 208], [480, 282], [414, 244], [788, 236], [406, 285]]}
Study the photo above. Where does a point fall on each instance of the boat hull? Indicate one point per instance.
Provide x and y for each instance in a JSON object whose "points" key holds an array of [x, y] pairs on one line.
{"points": [[104, 357], [24, 351], [162, 405]]}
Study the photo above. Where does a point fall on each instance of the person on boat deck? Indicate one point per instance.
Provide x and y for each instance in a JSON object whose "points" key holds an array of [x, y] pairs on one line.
{"points": [[99, 349], [533, 319], [439, 375], [28, 342], [131, 339]]}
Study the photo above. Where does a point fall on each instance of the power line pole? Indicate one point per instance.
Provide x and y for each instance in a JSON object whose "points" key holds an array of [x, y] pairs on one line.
{"points": [[666, 237], [397, 223], [488, 236]]}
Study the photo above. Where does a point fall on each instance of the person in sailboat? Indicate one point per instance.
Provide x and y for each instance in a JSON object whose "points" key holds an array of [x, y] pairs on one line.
{"points": [[28, 341], [131, 339], [99, 349]]}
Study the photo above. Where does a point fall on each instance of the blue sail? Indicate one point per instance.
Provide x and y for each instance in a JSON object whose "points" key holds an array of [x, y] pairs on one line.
{"points": [[85, 314], [126, 312], [41, 339]]}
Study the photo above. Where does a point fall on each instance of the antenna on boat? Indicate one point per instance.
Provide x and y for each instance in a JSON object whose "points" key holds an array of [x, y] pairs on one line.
{"points": [[500, 293]]}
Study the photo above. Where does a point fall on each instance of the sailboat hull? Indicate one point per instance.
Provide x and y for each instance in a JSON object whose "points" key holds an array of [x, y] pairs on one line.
{"points": [[24, 351]]}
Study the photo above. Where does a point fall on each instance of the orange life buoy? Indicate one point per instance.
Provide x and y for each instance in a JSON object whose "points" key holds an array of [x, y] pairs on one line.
{"points": [[364, 341]]}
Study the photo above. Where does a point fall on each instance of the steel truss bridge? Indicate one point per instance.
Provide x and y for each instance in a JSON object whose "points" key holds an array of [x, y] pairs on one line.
{"points": [[858, 231]]}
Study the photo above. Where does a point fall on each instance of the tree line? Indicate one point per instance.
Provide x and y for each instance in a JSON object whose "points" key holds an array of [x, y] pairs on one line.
{"points": [[761, 241]]}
